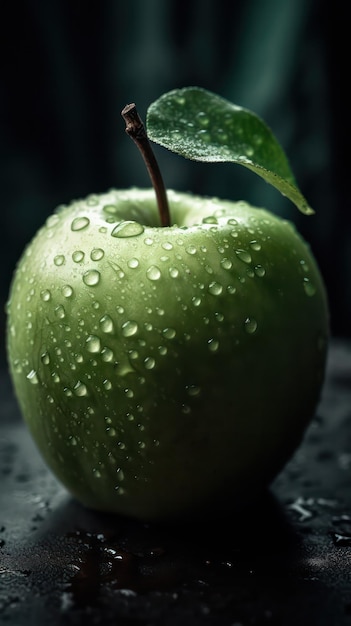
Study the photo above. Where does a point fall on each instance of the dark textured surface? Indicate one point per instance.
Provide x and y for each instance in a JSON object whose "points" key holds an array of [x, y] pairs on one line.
{"points": [[287, 561]]}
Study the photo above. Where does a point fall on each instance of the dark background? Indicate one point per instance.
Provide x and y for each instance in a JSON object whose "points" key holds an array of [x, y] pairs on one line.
{"points": [[68, 68]]}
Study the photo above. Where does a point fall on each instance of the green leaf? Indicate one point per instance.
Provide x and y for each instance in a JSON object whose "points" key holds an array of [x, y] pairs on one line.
{"points": [[202, 126]]}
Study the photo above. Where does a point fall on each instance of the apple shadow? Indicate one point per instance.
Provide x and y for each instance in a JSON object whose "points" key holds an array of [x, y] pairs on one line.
{"points": [[92, 551]]}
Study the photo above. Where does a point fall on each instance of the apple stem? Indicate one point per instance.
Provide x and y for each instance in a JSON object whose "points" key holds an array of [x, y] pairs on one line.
{"points": [[136, 130]]}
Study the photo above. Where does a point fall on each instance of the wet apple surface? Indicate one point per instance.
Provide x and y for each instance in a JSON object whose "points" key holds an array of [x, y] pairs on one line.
{"points": [[164, 371]]}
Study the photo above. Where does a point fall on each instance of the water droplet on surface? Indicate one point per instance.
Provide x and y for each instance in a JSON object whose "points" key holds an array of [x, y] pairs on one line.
{"points": [[97, 254], [167, 246], [243, 255], [91, 278], [107, 355], [260, 271], [59, 260], [80, 389], [213, 345], [67, 291], [191, 250], [45, 358], [202, 118], [196, 300], [79, 223], [193, 390], [169, 333], [78, 256], [211, 219], [93, 344], [60, 312], [226, 264], [149, 363], [129, 328], [153, 273], [127, 229], [133, 263], [107, 384], [110, 209], [255, 245], [250, 325], [45, 295], [173, 272], [106, 324], [33, 377], [215, 288], [52, 221], [309, 287]]}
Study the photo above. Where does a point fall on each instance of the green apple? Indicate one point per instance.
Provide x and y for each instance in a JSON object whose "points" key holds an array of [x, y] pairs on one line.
{"points": [[165, 371]]}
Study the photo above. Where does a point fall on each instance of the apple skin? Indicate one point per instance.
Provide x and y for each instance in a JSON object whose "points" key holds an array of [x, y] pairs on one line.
{"points": [[164, 372]]}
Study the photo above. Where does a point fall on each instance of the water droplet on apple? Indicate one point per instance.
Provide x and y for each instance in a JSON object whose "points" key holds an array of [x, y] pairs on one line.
{"points": [[193, 390], [93, 344], [129, 328], [59, 260], [91, 278], [107, 355], [45, 358], [255, 245], [127, 229], [60, 312], [33, 377], [169, 333], [226, 264], [52, 221], [55, 377], [196, 300], [211, 219], [117, 268], [215, 288], [107, 384], [110, 209], [17, 366], [133, 263], [120, 310], [250, 325], [97, 254], [80, 389], [304, 266], [45, 295], [78, 256], [191, 250], [243, 256], [173, 272], [167, 245], [260, 271], [186, 409], [79, 223], [202, 118], [153, 273], [67, 291], [309, 287], [106, 324], [213, 345], [149, 363]]}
